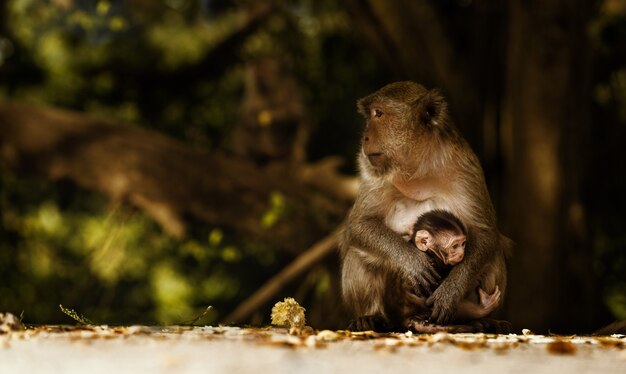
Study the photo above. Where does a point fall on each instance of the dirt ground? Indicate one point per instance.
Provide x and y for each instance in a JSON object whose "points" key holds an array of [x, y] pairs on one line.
{"points": [[136, 349]]}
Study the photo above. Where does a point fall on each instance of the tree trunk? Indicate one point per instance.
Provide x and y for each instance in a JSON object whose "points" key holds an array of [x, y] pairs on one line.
{"points": [[545, 117]]}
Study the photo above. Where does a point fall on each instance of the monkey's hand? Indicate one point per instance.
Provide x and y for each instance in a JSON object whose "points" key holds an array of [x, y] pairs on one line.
{"points": [[488, 302], [444, 303], [420, 273]]}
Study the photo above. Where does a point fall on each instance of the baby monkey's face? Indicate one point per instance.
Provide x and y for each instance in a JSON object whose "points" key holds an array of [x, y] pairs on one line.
{"points": [[448, 246]]}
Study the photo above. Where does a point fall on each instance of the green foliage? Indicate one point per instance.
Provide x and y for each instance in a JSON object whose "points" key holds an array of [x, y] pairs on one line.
{"points": [[276, 210], [114, 60], [119, 61], [63, 245], [610, 266], [608, 35], [616, 300]]}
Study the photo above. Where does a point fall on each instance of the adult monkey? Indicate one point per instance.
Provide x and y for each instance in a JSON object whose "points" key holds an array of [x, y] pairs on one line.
{"points": [[414, 160]]}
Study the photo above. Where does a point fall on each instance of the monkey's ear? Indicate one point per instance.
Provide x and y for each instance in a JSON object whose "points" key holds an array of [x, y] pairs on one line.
{"points": [[430, 109], [423, 240]]}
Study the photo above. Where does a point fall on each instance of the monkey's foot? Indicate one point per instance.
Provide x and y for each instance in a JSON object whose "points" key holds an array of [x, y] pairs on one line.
{"points": [[493, 326], [375, 323], [424, 327]]}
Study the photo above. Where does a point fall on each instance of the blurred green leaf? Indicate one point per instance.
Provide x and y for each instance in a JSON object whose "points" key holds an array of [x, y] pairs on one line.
{"points": [[75, 316]]}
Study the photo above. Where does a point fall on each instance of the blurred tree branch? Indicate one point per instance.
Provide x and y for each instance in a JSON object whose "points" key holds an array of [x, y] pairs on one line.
{"points": [[276, 283], [161, 176]]}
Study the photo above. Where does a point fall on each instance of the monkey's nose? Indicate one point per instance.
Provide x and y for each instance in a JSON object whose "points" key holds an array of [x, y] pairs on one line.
{"points": [[455, 258]]}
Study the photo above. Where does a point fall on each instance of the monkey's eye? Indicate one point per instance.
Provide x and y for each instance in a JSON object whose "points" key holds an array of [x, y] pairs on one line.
{"points": [[377, 112], [463, 244], [456, 246]]}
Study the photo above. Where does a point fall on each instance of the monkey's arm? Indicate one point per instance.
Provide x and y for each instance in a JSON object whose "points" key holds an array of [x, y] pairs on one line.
{"points": [[371, 235], [482, 244]]}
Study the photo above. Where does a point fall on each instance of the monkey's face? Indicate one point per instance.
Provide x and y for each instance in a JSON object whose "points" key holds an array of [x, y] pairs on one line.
{"points": [[447, 246], [398, 122], [381, 131], [451, 250]]}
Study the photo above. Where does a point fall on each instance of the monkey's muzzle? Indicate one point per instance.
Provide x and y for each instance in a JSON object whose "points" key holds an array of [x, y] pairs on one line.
{"points": [[455, 258], [377, 159]]}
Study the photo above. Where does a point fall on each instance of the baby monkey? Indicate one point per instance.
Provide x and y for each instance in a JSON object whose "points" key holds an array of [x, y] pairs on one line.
{"points": [[442, 235]]}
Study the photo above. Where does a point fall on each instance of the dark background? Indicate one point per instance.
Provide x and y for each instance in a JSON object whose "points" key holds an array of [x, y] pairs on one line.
{"points": [[197, 152]]}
